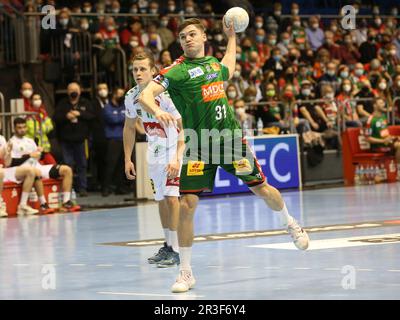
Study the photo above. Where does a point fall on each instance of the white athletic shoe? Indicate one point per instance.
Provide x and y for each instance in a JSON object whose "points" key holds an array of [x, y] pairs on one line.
{"points": [[184, 282], [299, 236], [3, 209], [25, 209]]}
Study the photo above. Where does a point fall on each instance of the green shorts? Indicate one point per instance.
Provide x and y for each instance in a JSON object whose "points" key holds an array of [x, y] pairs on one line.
{"points": [[198, 176]]}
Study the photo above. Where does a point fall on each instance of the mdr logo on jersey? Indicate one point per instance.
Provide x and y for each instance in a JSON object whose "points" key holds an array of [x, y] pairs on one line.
{"points": [[279, 158]]}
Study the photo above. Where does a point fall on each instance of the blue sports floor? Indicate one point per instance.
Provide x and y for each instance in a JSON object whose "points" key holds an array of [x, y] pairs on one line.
{"points": [[354, 253]]}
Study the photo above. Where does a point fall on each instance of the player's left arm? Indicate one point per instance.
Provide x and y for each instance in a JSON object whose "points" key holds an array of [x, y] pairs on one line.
{"points": [[176, 163], [229, 60], [7, 154]]}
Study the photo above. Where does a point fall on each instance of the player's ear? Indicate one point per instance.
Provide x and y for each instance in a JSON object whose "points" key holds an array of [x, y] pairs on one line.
{"points": [[204, 37]]}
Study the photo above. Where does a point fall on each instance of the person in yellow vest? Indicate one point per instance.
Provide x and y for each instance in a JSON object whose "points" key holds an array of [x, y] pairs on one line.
{"points": [[39, 126]]}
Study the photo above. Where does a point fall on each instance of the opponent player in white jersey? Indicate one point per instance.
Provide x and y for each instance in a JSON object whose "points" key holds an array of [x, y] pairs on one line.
{"points": [[165, 151], [25, 151], [23, 174]]}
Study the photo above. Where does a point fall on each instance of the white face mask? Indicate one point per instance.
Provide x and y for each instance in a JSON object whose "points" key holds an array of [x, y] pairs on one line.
{"points": [[236, 74], [306, 92], [133, 10], [315, 25], [382, 85], [103, 93], [238, 56], [240, 110], [110, 28], [346, 88], [231, 94], [295, 12], [393, 52], [330, 95], [134, 44], [297, 23], [153, 11], [189, 9], [278, 13], [87, 9], [164, 23], [115, 10], [171, 8], [64, 22], [219, 37], [259, 25], [85, 26], [37, 103], [27, 93]]}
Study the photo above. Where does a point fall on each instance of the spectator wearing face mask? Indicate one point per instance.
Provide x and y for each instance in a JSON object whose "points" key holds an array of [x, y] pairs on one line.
{"points": [[256, 24], [369, 48], [134, 29], [377, 24], [358, 75], [114, 118], [239, 106], [26, 92], [390, 59], [116, 9], [84, 25], [166, 35], [349, 52], [277, 63], [329, 105], [99, 145], [189, 9], [238, 80], [382, 90], [343, 72], [289, 79], [298, 34], [232, 93], [334, 49], [271, 112], [38, 128], [365, 107], [72, 116], [152, 40], [110, 34], [285, 44], [315, 35], [329, 77], [262, 48], [305, 74], [347, 104]]}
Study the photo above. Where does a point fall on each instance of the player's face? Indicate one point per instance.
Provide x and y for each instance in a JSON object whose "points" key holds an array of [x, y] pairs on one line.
{"points": [[142, 72], [20, 129], [192, 41]]}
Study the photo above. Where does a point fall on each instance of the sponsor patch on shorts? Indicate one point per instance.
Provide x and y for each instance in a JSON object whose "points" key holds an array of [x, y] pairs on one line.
{"points": [[195, 168]]}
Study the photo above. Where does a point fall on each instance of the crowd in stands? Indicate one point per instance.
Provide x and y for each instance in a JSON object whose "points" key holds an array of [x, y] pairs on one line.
{"points": [[282, 63]]}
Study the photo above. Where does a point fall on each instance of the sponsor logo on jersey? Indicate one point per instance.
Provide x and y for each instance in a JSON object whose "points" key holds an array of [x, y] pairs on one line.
{"points": [[242, 166], [212, 76], [195, 72], [215, 66], [154, 129], [160, 79], [173, 182], [195, 168], [213, 91]]}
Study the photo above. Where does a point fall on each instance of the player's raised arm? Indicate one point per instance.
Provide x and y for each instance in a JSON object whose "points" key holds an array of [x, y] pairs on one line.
{"points": [[147, 100], [229, 59]]}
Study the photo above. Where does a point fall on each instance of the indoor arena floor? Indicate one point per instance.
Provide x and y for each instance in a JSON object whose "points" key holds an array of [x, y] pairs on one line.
{"points": [[241, 251]]}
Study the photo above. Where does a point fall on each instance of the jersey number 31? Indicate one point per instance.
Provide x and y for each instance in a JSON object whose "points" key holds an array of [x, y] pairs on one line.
{"points": [[221, 112]]}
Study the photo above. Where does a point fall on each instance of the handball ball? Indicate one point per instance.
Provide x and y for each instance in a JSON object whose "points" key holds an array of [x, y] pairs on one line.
{"points": [[240, 18]]}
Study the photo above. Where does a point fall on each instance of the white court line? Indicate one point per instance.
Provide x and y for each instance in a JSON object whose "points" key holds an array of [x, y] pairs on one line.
{"points": [[131, 265], [213, 267], [272, 268], [394, 270], [301, 268], [77, 264], [104, 265], [241, 267], [332, 269], [150, 294], [365, 270], [21, 265]]}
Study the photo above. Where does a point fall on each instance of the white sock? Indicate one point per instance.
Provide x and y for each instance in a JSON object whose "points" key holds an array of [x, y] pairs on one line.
{"points": [[286, 218], [42, 199], [173, 237], [24, 198], [166, 235], [66, 196], [185, 254]]}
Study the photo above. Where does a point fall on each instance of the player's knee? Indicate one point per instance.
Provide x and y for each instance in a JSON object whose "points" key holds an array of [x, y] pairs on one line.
{"points": [[172, 201], [65, 171]]}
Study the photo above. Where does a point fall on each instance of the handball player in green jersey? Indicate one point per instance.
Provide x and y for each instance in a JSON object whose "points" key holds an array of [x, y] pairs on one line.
{"points": [[195, 85]]}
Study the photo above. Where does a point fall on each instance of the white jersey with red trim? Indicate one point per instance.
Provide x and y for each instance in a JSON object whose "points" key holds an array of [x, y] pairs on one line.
{"points": [[22, 146], [160, 140]]}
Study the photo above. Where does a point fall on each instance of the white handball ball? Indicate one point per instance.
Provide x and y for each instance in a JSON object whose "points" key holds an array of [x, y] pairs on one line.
{"points": [[240, 18]]}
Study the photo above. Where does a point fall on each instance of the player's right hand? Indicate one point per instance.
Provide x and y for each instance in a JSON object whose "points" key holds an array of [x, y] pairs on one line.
{"points": [[130, 170], [165, 118]]}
